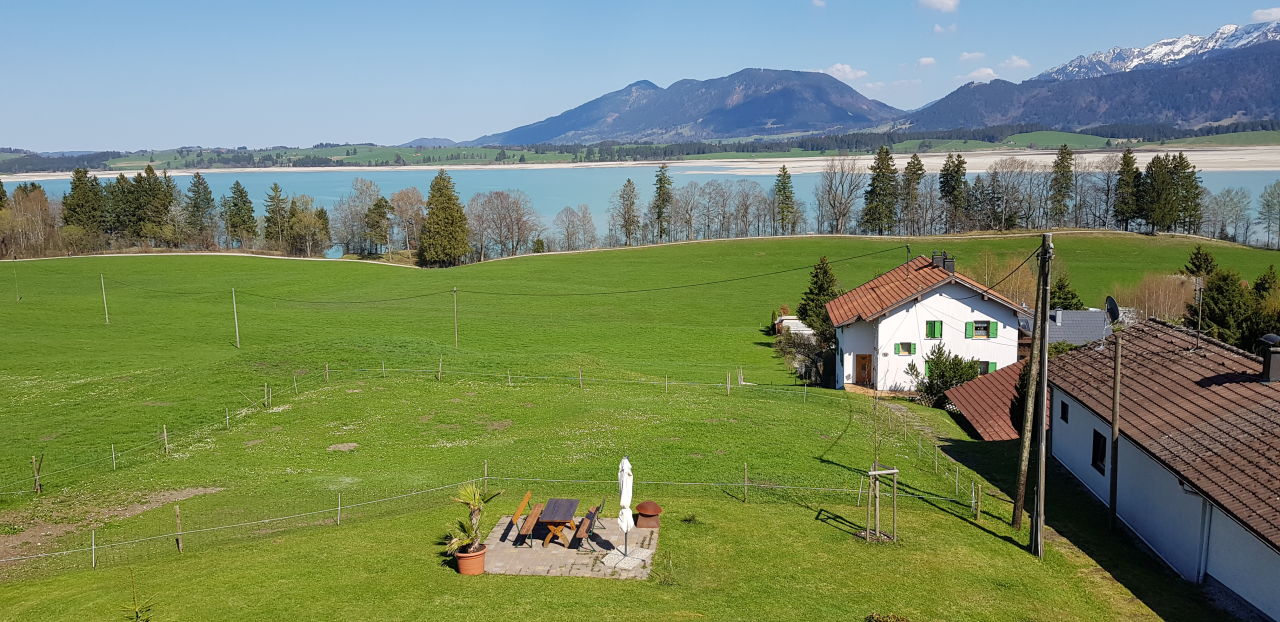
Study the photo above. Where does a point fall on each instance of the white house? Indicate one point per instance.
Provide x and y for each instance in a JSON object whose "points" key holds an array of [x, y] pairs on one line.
{"points": [[1198, 476], [893, 320]]}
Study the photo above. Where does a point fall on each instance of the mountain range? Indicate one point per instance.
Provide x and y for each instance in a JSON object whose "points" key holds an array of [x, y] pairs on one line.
{"points": [[1186, 82], [1164, 53]]}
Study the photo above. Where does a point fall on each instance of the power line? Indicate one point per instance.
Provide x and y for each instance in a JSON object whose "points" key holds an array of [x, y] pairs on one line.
{"points": [[342, 302]]}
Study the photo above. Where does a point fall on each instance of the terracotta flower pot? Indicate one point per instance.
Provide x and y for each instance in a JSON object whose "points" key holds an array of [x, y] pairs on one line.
{"points": [[471, 563]]}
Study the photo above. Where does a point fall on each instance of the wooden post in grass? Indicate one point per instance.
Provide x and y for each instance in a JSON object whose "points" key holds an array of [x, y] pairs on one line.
{"points": [[486, 476], [508, 376], [744, 482], [977, 505], [664, 384], [164, 433], [93, 549], [106, 314], [265, 403], [867, 531], [35, 472], [177, 518], [235, 316], [440, 368], [339, 508], [227, 414], [384, 369], [580, 378], [877, 494], [726, 382], [295, 383], [326, 373], [455, 317], [113, 456]]}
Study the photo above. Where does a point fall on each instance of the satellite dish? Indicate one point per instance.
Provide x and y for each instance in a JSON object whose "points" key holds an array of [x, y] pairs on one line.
{"points": [[1113, 310]]}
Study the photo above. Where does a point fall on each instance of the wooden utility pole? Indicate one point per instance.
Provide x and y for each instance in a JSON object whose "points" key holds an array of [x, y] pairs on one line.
{"points": [[106, 315], [1115, 433], [455, 317], [177, 518], [1041, 396], [1032, 374], [235, 316]]}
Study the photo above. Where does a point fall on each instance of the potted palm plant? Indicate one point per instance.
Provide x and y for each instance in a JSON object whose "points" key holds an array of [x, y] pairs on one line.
{"points": [[466, 541]]}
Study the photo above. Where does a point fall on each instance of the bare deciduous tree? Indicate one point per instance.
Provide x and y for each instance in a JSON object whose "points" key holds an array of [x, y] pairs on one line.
{"points": [[408, 207], [841, 183]]}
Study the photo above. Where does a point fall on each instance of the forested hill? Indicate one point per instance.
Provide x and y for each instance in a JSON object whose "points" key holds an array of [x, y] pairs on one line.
{"points": [[1239, 85], [747, 103]]}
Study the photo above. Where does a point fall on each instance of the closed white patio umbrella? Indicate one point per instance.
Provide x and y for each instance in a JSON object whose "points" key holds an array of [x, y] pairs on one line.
{"points": [[625, 521]]}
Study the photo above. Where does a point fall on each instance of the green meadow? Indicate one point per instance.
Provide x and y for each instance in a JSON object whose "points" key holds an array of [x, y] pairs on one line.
{"points": [[1053, 140], [563, 363]]}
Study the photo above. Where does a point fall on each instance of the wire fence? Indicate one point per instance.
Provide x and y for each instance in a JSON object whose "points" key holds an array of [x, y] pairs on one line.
{"points": [[894, 419], [921, 455]]}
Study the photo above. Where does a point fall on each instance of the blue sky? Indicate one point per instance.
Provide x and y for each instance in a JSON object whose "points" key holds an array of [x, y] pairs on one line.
{"points": [[154, 75]]}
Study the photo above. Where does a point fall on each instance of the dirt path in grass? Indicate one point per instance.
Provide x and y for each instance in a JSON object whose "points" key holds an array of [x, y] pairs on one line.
{"points": [[48, 519]]}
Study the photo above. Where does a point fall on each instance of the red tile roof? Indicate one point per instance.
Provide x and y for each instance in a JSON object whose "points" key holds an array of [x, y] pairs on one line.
{"points": [[897, 286], [1197, 407], [987, 402]]}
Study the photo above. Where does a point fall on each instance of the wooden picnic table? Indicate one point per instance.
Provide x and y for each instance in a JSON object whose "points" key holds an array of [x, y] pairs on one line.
{"points": [[557, 515]]}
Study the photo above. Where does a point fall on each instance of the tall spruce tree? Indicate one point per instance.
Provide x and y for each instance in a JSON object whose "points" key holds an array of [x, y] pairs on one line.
{"points": [[823, 288], [443, 241], [880, 201], [85, 206], [1188, 194], [275, 220], [1128, 182], [953, 186], [377, 224], [628, 214], [199, 207], [1061, 186], [237, 217], [1157, 197], [660, 208], [909, 194], [1226, 310], [787, 213]]}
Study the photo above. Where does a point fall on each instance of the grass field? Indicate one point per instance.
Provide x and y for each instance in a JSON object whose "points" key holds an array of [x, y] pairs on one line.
{"points": [[76, 385], [1053, 140], [1234, 139]]}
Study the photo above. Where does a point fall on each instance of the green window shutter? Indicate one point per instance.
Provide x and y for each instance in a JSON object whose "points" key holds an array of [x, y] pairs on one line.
{"points": [[991, 367], [994, 330], [937, 329], [913, 347], [968, 330], [932, 328], [897, 348]]}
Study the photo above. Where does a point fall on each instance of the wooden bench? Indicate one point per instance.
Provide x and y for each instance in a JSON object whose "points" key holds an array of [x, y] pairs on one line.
{"points": [[515, 518], [526, 528], [588, 525]]}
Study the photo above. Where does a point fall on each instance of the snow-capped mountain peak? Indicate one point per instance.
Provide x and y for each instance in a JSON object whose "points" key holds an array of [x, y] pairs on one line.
{"points": [[1164, 53]]}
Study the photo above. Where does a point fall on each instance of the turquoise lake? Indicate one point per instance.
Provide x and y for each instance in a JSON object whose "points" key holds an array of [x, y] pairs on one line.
{"points": [[550, 190]]}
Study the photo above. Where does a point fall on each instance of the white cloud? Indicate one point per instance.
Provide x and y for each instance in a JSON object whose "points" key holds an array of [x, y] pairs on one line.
{"points": [[1015, 62], [981, 74], [946, 6], [872, 86], [819, 3], [939, 28], [966, 56], [927, 61], [844, 73], [1267, 15]]}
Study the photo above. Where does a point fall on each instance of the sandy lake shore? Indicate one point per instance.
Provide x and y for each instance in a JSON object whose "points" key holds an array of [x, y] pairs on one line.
{"points": [[1263, 158]]}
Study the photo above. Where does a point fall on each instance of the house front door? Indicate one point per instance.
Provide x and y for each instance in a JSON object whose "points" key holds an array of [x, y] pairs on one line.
{"points": [[862, 369]]}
